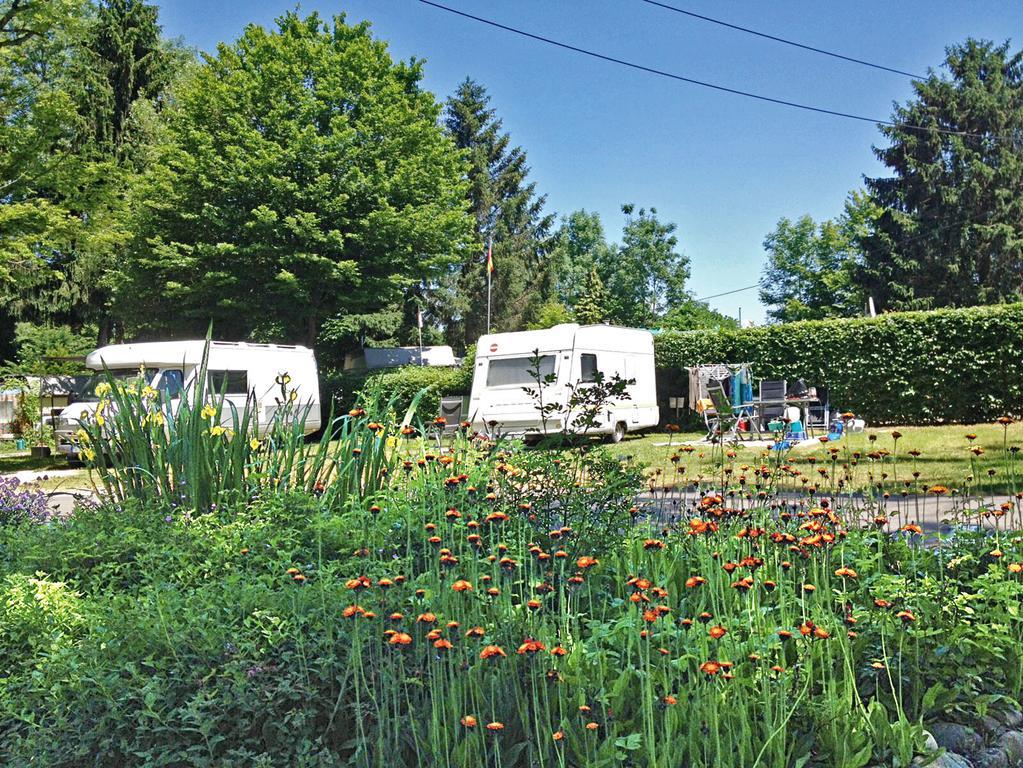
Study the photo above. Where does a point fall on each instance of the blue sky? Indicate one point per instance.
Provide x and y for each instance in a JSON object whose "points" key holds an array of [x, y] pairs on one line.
{"points": [[722, 167]]}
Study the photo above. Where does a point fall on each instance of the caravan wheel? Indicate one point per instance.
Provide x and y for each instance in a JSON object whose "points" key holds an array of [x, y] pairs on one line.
{"points": [[618, 434]]}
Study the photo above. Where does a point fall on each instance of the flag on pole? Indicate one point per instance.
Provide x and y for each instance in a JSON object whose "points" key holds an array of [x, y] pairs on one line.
{"points": [[490, 257]]}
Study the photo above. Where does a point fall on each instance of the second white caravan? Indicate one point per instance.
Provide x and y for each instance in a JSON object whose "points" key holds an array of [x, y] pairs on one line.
{"points": [[572, 354]]}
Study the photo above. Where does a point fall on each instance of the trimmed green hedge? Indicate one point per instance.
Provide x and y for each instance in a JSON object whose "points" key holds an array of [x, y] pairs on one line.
{"points": [[956, 365]]}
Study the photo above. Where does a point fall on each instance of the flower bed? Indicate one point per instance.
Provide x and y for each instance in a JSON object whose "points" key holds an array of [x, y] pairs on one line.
{"points": [[481, 607]]}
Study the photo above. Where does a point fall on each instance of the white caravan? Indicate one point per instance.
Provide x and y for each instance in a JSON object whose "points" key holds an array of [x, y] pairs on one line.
{"points": [[573, 354], [235, 368]]}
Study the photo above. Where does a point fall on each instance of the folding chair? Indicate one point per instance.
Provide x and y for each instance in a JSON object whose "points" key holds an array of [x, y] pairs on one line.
{"points": [[724, 420], [772, 389]]}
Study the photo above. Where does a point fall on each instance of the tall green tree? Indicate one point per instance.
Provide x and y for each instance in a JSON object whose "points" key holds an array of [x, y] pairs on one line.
{"points": [[507, 212], [304, 178], [578, 245], [691, 314], [810, 265], [951, 233], [646, 275], [66, 219], [593, 304]]}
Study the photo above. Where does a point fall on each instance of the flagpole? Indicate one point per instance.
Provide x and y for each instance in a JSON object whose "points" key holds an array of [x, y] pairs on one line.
{"points": [[490, 270]]}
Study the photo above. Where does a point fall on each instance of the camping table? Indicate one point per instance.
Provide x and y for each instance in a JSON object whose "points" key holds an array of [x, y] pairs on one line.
{"points": [[803, 403]]}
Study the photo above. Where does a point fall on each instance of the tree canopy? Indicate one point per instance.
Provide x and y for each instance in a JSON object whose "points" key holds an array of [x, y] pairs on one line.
{"points": [[951, 231], [303, 177], [508, 217]]}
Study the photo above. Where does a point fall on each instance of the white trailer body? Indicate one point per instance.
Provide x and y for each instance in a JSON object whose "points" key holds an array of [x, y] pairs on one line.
{"points": [[237, 369], [498, 404]]}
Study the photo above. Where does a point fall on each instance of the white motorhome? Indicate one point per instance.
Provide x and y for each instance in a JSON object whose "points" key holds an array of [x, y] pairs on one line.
{"points": [[573, 354], [235, 368]]}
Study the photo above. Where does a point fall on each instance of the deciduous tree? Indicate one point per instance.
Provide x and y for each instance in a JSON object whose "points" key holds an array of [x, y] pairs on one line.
{"points": [[304, 178]]}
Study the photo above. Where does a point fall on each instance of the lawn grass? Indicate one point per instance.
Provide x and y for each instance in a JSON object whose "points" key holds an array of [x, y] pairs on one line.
{"points": [[22, 461], [945, 456]]}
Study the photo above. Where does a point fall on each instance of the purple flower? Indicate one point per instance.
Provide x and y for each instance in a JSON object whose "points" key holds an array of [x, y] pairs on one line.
{"points": [[19, 504]]}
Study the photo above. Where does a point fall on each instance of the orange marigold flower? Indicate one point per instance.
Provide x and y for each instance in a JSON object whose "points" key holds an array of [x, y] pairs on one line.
{"points": [[469, 721], [531, 646], [653, 544], [426, 618], [558, 651], [361, 582], [1015, 567], [353, 610], [882, 603], [491, 651], [462, 586], [558, 735], [586, 562], [475, 632], [695, 581], [717, 632], [846, 573], [670, 700], [592, 726], [442, 644], [495, 726], [906, 616], [710, 667], [400, 638]]}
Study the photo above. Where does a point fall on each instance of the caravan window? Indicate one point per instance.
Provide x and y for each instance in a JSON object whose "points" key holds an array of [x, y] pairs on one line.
{"points": [[512, 371], [587, 368], [229, 382]]}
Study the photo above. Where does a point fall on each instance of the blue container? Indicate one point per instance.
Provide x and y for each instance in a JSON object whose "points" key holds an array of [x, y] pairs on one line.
{"points": [[20, 443]]}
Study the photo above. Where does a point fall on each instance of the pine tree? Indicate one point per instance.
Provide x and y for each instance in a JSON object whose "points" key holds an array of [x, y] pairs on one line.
{"points": [[507, 212], [951, 231], [593, 304]]}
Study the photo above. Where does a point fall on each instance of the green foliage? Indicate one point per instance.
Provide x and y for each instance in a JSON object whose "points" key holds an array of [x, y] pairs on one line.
{"points": [[903, 368], [506, 211], [578, 246], [808, 275], [550, 314], [36, 343], [302, 160], [401, 386], [646, 275], [951, 233], [593, 304], [689, 314]]}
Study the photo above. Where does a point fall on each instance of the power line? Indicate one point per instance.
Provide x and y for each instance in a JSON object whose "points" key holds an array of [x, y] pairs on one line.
{"points": [[712, 86], [793, 43], [728, 293]]}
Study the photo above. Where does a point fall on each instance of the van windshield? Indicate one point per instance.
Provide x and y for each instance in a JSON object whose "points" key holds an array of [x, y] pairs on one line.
{"points": [[127, 377], [512, 371]]}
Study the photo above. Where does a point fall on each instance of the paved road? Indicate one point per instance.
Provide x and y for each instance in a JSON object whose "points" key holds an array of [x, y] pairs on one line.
{"points": [[929, 512]]}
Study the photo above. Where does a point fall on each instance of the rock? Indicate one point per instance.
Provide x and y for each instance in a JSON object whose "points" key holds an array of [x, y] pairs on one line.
{"points": [[992, 758], [951, 760], [1012, 744], [957, 738], [1011, 718], [991, 726]]}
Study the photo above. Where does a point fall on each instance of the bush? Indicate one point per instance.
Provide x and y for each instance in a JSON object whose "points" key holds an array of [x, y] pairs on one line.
{"points": [[957, 365], [401, 384]]}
